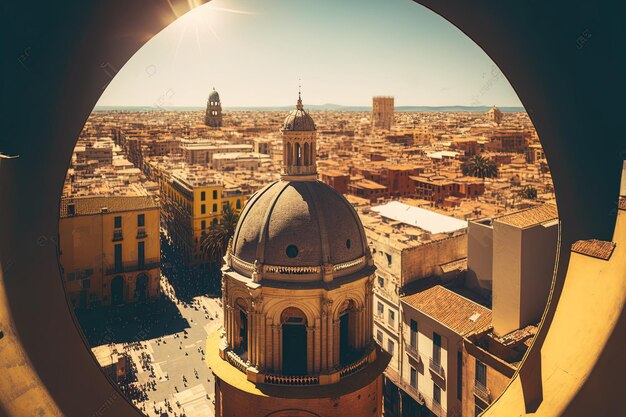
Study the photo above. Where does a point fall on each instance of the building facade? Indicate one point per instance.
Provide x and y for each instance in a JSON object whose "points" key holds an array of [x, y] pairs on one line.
{"points": [[494, 115], [382, 112], [297, 299], [191, 202], [110, 249], [434, 323]]}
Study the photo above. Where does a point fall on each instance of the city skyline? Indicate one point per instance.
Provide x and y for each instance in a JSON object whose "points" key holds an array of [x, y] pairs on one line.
{"points": [[258, 56]]}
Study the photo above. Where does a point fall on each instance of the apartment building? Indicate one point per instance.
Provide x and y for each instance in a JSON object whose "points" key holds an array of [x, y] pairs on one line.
{"points": [[109, 249], [434, 323]]}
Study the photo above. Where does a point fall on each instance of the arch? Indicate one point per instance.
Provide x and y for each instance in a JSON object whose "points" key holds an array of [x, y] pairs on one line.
{"points": [[117, 290], [294, 341], [275, 308], [348, 332], [298, 154], [306, 153], [141, 288], [289, 155], [241, 328], [339, 305]]}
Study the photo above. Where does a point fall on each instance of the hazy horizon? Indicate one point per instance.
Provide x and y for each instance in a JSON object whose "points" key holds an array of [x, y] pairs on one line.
{"points": [[255, 53]]}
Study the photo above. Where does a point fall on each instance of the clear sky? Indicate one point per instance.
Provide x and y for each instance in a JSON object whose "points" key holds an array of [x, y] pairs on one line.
{"points": [[344, 51]]}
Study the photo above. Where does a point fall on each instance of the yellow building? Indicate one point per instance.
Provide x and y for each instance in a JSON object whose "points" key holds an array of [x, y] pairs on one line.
{"points": [[110, 249], [191, 202]]}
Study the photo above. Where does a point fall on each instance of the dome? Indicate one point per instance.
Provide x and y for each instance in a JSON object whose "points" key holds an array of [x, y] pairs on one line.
{"points": [[299, 120], [214, 96], [289, 225]]}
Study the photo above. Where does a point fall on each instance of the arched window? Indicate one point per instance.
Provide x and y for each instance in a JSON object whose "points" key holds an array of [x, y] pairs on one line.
{"points": [[298, 154], [348, 352], [117, 290], [306, 154], [289, 155], [240, 338], [141, 288], [294, 341]]}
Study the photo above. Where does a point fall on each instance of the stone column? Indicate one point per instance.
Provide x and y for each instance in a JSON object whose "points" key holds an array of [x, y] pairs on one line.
{"points": [[309, 349], [317, 346], [336, 342], [228, 325]]}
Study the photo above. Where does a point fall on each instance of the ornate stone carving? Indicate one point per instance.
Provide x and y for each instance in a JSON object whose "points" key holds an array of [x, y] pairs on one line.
{"points": [[327, 305], [229, 250], [256, 303], [327, 271], [256, 271]]}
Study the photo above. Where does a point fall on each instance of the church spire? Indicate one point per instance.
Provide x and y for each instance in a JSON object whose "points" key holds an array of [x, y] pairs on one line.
{"points": [[299, 106]]}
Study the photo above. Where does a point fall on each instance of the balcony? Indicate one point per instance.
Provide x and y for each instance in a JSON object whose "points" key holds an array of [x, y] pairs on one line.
{"points": [[368, 356], [133, 266], [141, 233], [117, 236], [292, 379], [413, 392], [482, 392], [436, 409], [436, 367], [412, 352]]}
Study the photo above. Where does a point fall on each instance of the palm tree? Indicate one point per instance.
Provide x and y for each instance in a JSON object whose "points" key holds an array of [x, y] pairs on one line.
{"points": [[528, 192], [481, 167], [215, 242]]}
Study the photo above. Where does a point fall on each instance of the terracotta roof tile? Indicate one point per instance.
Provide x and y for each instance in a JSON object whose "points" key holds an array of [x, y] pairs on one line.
{"points": [[458, 313], [596, 248], [530, 217], [93, 205]]}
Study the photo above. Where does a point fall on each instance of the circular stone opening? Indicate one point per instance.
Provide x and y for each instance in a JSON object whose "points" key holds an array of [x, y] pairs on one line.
{"points": [[348, 243], [292, 251]]}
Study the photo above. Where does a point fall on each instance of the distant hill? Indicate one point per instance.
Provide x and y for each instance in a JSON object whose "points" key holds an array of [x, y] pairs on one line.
{"points": [[318, 107]]}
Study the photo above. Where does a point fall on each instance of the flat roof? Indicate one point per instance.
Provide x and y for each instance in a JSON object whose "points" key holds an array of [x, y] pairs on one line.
{"points": [[419, 217]]}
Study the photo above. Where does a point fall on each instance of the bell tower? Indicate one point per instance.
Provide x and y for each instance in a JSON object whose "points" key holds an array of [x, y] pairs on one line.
{"points": [[299, 145], [213, 115]]}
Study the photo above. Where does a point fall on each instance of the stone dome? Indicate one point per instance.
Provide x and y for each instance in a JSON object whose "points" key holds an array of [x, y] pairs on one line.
{"points": [[214, 96], [293, 224], [299, 120]]}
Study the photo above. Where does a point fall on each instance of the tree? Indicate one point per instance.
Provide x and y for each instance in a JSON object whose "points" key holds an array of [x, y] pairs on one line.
{"points": [[528, 192], [481, 167], [215, 242]]}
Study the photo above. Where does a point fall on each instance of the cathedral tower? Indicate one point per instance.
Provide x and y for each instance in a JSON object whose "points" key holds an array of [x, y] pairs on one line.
{"points": [[297, 297], [213, 115]]}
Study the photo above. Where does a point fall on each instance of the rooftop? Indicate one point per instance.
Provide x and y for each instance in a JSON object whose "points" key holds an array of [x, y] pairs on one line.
{"points": [[530, 217], [84, 206], [458, 313], [595, 248], [419, 217]]}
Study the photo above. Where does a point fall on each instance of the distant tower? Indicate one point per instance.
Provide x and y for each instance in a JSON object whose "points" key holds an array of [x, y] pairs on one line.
{"points": [[382, 112], [297, 298], [213, 116], [494, 115]]}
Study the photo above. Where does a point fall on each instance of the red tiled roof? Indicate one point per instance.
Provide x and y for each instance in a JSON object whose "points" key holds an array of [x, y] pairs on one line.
{"points": [[530, 217], [596, 248], [450, 309]]}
